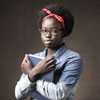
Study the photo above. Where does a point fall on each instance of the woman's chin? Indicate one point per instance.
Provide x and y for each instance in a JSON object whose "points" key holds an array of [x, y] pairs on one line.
{"points": [[48, 45]]}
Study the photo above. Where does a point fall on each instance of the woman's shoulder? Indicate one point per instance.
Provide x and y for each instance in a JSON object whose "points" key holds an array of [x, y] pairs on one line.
{"points": [[69, 53]]}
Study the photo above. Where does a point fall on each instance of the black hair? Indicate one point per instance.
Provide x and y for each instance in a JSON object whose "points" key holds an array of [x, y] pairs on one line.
{"points": [[61, 11]]}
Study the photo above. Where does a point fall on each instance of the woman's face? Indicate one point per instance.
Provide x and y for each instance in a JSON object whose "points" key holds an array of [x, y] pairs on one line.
{"points": [[51, 32]]}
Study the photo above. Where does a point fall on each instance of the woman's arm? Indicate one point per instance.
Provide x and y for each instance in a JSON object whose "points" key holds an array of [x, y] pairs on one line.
{"points": [[24, 86], [59, 91]]}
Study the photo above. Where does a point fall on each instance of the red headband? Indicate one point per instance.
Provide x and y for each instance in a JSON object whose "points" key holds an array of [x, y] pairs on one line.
{"points": [[59, 18]]}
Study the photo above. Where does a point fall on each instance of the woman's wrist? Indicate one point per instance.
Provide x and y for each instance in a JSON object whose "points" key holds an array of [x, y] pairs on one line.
{"points": [[33, 76]]}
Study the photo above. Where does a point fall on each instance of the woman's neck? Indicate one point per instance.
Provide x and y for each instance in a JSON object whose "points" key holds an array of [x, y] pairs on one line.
{"points": [[51, 51]]}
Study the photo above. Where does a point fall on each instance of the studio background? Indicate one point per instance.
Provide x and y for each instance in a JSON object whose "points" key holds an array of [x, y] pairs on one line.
{"points": [[18, 35]]}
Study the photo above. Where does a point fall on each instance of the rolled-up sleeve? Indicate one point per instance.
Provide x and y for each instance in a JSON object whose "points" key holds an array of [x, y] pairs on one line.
{"points": [[23, 87], [53, 91]]}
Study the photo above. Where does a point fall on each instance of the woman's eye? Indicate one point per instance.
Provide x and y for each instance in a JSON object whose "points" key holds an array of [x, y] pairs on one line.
{"points": [[43, 31], [55, 31]]}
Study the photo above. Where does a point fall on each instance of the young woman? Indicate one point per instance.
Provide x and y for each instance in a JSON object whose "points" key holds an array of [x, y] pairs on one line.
{"points": [[55, 23]]}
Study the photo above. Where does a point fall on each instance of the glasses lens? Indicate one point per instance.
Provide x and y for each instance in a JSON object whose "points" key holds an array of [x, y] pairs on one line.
{"points": [[51, 30]]}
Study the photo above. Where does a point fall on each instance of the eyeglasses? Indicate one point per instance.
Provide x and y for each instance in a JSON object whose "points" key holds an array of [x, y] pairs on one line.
{"points": [[53, 31]]}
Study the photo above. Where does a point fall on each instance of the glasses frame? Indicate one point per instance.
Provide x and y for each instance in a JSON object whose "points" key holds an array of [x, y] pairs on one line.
{"points": [[53, 31]]}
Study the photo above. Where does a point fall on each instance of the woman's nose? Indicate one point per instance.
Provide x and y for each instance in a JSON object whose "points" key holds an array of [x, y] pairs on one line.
{"points": [[48, 34]]}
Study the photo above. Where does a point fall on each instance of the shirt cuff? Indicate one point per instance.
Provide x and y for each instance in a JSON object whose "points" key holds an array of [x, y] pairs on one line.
{"points": [[27, 87], [26, 83]]}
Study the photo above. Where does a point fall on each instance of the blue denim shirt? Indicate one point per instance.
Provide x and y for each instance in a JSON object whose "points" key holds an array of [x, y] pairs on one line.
{"points": [[66, 75]]}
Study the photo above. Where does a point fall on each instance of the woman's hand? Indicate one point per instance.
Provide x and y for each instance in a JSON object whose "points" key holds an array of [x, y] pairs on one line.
{"points": [[43, 67], [26, 66]]}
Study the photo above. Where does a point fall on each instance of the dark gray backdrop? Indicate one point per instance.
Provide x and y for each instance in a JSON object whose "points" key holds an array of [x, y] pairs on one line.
{"points": [[18, 35]]}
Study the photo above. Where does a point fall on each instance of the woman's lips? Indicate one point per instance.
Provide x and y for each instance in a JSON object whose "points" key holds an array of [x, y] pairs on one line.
{"points": [[48, 41]]}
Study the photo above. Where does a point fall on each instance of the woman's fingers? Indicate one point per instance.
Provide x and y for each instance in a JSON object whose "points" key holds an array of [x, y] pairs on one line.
{"points": [[51, 62], [50, 68], [49, 58], [27, 60], [26, 65]]}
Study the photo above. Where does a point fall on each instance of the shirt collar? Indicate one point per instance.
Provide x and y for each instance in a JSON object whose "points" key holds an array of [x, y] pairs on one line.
{"points": [[58, 52]]}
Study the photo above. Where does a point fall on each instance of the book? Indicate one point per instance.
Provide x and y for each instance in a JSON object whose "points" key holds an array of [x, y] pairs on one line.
{"points": [[34, 60]]}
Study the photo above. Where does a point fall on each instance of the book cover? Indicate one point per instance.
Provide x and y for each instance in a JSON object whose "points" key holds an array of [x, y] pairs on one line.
{"points": [[48, 76]]}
